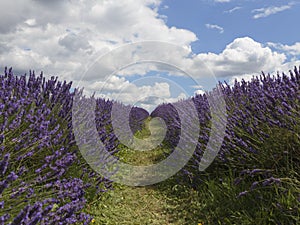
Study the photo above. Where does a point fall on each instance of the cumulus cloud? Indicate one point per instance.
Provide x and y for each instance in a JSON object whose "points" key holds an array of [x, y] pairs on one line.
{"points": [[265, 12], [245, 77], [284, 68], [242, 56], [146, 96], [72, 31], [21, 58], [214, 26], [64, 37], [289, 49], [150, 102]]}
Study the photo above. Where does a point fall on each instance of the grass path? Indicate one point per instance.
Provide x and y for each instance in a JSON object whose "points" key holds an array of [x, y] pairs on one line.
{"points": [[130, 205], [163, 203]]}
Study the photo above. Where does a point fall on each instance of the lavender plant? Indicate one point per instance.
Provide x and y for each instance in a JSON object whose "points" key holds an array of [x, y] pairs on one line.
{"points": [[37, 152], [260, 151], [169, 114], [137, 119]]}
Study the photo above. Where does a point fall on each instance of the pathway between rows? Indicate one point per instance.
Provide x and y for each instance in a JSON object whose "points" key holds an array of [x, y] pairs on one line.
{"points": [[163, 203]]}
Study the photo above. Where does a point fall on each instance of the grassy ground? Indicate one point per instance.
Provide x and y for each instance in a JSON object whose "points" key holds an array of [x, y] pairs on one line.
{"points": [[136, 205], [172, 202], [164, 203]]}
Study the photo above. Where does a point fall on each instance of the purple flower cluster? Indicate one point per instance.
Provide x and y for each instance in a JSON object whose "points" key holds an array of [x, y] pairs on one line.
{"points": [[103, 114], [262, 133], [104, 125], [169, 114], [263, 124], [137, 118], [38, 152]]}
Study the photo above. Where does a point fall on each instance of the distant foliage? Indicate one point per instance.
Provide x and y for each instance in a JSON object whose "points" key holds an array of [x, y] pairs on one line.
{"points": [[169, 114], [137, 118]]}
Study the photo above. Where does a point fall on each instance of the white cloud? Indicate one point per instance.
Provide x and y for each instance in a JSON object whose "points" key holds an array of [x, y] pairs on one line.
{"points": [[242, 56], [21, 58], [214, 26], [222, 1], [289, 49], [147, 96], [265, 12], [72, 31], [199, 92], [245, 77], [233, 9], [30, 22], [283, 68], [197, 86]]}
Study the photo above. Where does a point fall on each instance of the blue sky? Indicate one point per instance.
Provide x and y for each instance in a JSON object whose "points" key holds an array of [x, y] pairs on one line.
{"points": [[193, 15], [217, 24], [87, 42]]}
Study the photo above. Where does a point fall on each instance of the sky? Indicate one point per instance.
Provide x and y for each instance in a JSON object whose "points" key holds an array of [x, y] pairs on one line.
{"points": [[145, 52]]}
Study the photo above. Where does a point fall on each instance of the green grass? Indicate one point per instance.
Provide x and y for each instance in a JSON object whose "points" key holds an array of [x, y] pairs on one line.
{"points": [[155, 204], [172, 202]]}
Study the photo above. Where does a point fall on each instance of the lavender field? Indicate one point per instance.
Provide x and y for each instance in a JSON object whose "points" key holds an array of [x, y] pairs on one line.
{"points": [[254, 179]]}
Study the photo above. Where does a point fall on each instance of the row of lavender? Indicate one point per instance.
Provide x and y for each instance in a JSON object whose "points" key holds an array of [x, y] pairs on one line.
{"points": [[262, 131], [261, 113], [103, 113], [37, 151], [255, 109], [38, 147], [261, 147], [44, 178]]}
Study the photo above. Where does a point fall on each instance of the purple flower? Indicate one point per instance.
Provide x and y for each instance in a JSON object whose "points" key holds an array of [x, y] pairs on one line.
{"points": [[4, 164], [254, 185], [237, 181], [242, 194], [2, 205]]}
